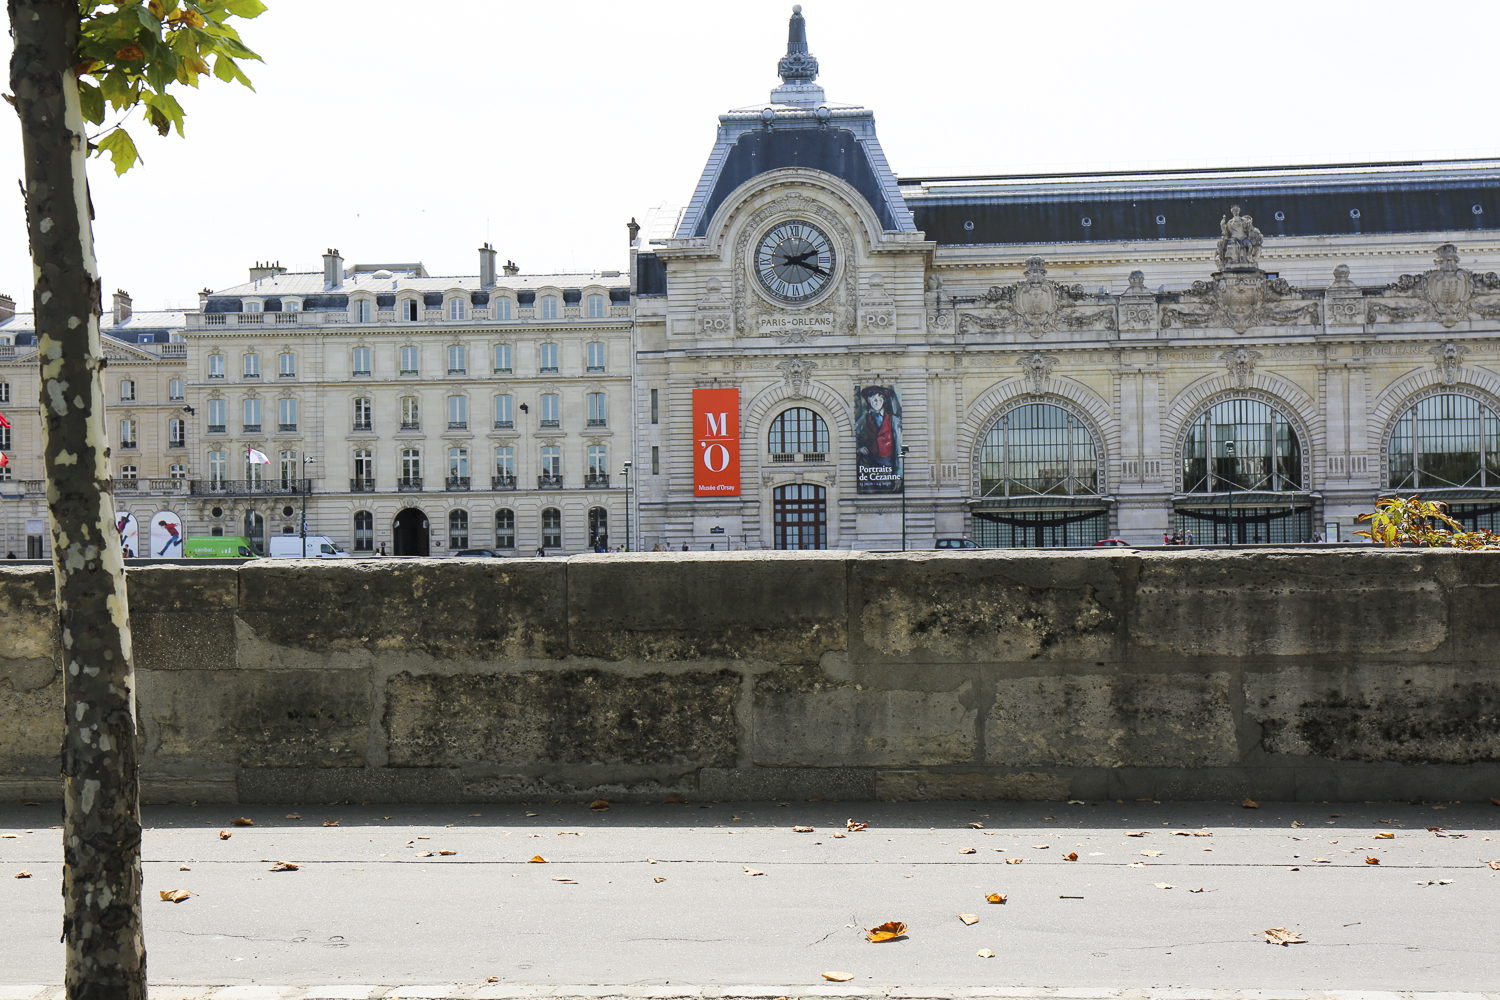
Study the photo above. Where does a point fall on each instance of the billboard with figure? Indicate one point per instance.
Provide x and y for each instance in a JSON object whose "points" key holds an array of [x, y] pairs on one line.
{"points": [[878, 467]]}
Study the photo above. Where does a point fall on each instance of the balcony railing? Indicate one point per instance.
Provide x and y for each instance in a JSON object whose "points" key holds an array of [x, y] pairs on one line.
{"points": [[458, 425], [805, 456], [363, 427], [548, 370], [409, 484], [551, 423], [502, 371], [286, 427], [549, 482], [411, 426], [362, 486], [502, 482], [408, 371], [252, 429], [505, 425], [361, 373], [596, 481], [249, 487], [595, 368], [216, 428], [127, 445], [176, 444], [458, 371], [127, 485], [598, 422], [456, 483]]}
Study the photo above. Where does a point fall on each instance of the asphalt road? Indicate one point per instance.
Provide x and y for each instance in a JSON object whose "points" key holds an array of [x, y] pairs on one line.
{"points": [[659, 895]]}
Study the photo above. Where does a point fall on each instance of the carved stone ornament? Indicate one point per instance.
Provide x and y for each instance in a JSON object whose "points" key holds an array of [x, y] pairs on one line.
{"points": [[1239, 242], [937, 317], [1138, 304], [715, 319], [877, 310], [1448, 357], [832, 315], [1037, 369], [1240, 300], [795, 372], [1343, 302], [1036, 305], [1241, 364], [1448, 294]]}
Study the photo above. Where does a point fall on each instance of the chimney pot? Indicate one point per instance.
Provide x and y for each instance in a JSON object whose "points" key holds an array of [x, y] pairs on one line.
{"points": [[7, 308], [121, 306], [333, 269], [634, 228]]}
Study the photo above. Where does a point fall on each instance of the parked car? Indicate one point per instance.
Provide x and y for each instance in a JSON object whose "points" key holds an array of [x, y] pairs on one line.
{"points": [[480, 553], [317, 546], [956, 543], [1110, 541]]}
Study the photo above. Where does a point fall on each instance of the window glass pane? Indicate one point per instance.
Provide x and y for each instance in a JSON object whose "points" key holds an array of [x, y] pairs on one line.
{"points": [[502, 358], [1038, 448], [797, 430], [503, 413], [1241, 444], [505, 529]]}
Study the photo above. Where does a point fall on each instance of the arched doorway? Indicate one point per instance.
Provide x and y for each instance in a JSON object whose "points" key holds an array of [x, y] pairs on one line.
{"points": [[598, 528], [409, 533], [800, 516]]}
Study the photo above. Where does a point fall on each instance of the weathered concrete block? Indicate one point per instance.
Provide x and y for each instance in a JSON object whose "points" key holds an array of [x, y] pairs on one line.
{"points": [[256, 718], [28, 614], [955, 608], [182, 641], [1245, 604], [567, 716], [177, 588], [922, 786], [1113, 720], [349, 784], [31, 716], [473, 609], [850, 784], [575, 787], [785, 607], [1422, 714], [802, 718]]}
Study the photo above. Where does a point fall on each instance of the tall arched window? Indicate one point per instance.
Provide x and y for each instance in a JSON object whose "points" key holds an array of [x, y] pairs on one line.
{"points": [[364, 531], [1241, 444], [551, 528], [1036, 449], [797, 431], [1445, 441], [505, 528]]}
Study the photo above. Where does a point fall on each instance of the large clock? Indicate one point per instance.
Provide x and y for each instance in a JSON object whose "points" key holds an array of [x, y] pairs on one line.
{"points": [[794, 261]]}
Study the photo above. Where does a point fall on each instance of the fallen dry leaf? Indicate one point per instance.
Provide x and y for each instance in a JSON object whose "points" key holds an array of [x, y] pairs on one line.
{"points": [[1493, 865], [1202, 833], [995, 897], [658, 879], [1141, 834], [447, 853], [243, 821], [174, 895], [284, 866], [839, 836], [1041, 847], [853, 827], [838, 977], [1320, 861], [969, 918], [1014, 861], [1296, 825], [7, 836], [966, 850], [751, 871], [599, 805], [802, 829], [1372, 861], [538, 860], [428, 854], [1151, 854], [888, 931], [1071, 856], [1137, 864], [1495, 802], [976, 826], [818, 798], [1282, 936], [1195, 890], [1165, 885], [293, 815], [985, 953], [561, 878], [330, 822], [1385, 836], [1249, 804], [23, 874], [225, 835], [493, 979], [183, 868]]}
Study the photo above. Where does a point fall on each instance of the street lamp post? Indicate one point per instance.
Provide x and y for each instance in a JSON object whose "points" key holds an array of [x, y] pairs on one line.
{"points": [[627, 506], [904, 450], [306, 489], [1229, 450]]}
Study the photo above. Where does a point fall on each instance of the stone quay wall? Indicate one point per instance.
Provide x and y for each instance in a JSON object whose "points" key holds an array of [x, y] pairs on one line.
{"points": [[1279, 674]]}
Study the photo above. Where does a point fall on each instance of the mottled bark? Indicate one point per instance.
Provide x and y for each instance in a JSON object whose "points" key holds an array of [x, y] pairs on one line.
{"points": [[106, 954]]}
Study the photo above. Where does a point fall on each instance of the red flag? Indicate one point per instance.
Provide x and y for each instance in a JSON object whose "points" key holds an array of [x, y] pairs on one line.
{"points": [[4, 461], [3, 421]]}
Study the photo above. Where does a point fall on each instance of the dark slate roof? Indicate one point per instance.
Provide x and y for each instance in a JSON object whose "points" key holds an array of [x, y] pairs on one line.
{"points": [[1344, 199]]}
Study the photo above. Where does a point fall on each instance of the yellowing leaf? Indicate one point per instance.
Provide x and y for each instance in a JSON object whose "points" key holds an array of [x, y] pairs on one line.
{"points": [[330, 822], [1071, 856], [672, 800], [969, 918], [1249, 804], [538, 860], [225, 835], [802, 829], [174, 895], [599, 805], [1141, 834], [1372, 861], [1385, 836], [888, 931], [284, 866], [23, 873], [1283, 937], [447, 853], [854, 827], [995, 897], [838, 977], [243, 821], [658, 879]]}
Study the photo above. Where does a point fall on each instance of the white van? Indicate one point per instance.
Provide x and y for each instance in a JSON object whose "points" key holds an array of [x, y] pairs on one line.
{"points": [[320, 546]]}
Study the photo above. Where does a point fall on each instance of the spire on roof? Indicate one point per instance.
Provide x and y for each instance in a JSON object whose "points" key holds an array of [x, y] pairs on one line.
{"points": [[798, 68]]}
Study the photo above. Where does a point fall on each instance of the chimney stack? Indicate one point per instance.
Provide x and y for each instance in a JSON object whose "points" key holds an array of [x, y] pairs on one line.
{"points": [[512, 268], [203, 298], [266, 270], [634, 229], [7, 308], [122, 306], [487, 257], [333, 269]]}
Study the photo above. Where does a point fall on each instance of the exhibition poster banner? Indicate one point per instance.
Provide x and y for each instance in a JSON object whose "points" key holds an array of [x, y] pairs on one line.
{"points": [[877, 440], [716, 442]]}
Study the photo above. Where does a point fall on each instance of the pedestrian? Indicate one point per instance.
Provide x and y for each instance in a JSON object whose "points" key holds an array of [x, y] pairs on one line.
{"points": [[10, 555], [684, 546], [541, 551], [1317, 539], [382, 548], [1166, 538], [1189, 536]]}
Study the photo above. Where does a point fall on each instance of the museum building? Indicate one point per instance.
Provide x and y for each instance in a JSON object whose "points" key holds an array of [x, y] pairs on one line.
{"points": [[829, 355]]}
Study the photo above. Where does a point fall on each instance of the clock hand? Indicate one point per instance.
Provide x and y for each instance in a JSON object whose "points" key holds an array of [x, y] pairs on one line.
{"points": [[815, 269]]}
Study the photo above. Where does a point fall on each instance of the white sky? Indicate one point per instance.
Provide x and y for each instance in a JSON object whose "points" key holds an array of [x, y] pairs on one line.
{"points": [[401, 131]]}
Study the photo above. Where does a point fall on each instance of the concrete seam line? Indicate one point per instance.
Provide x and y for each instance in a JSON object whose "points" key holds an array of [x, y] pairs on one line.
{"points": [[518, 991]]}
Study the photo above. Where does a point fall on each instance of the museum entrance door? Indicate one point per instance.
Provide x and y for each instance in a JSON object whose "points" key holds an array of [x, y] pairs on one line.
{"points": [[409, 533], [801, 516]]}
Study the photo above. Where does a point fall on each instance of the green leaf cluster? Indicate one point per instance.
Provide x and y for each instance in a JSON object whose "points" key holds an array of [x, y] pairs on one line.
{"points": [[130, 52], [1423, 523]]}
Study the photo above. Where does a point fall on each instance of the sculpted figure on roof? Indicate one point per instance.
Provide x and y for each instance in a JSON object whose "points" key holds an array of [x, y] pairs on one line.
{"points": [[1239, 241]]}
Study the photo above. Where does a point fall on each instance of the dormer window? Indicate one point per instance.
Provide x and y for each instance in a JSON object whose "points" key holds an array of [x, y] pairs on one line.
{"points": [[409, 310], [549, 307], [457, 309], [596, 307], [251, 306], [362, 311], [291, 305], [502, 308]]}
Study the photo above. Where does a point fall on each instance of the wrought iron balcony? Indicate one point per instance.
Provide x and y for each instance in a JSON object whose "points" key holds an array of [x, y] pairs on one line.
{"points": [[409, 484], [362, 486], [458, 425], [216, 429], [176, 444], [249, 487], [502, 482], [549, 482], [127, 445], [598, 422], [505, 425], [551, 423], [596, 481], [363, 427], [252, 429], [286, 427], [412, 425], [456, 483]]}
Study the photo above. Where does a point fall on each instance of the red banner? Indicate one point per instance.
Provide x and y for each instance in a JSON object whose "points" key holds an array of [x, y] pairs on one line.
{"points": [[716, 442]]}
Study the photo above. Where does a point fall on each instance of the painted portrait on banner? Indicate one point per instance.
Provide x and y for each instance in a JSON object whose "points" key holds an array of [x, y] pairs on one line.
{"points": [[877, 440], [166, 535], [130, 531]]}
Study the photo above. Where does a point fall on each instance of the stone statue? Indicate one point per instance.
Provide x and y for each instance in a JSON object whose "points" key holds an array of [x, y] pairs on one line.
{"points": [[1239, 241]]}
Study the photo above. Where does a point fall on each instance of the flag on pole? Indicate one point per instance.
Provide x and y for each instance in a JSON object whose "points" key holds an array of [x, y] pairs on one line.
{"points": [[258, 457], [3, 422], [4, 460]]}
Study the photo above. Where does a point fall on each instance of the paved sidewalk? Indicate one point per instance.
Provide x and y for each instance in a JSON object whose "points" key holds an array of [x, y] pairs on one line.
{"points": [[656, 901]]}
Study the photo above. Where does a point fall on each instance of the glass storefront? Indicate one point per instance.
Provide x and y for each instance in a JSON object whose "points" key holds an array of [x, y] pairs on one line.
{"points": [[1444, 442]]}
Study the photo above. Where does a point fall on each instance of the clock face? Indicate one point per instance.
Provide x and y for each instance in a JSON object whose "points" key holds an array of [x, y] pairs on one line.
{"points": [[794, 261]]}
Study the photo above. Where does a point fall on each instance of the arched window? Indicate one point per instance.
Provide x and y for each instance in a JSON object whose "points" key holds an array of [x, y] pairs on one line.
{"points": [[1241, 444], [1035, 449], [458, 530], [505, 528], [551, 528], [364, 531], [1443, 442], [797, 431]]}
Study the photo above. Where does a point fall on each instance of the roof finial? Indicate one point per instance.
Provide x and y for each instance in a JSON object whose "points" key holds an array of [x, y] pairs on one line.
{"points": [[798, 64]]}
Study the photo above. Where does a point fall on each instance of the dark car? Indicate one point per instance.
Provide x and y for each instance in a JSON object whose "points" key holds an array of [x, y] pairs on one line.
{"points": [[956, 543], [481, 553], [1110, 541]]}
